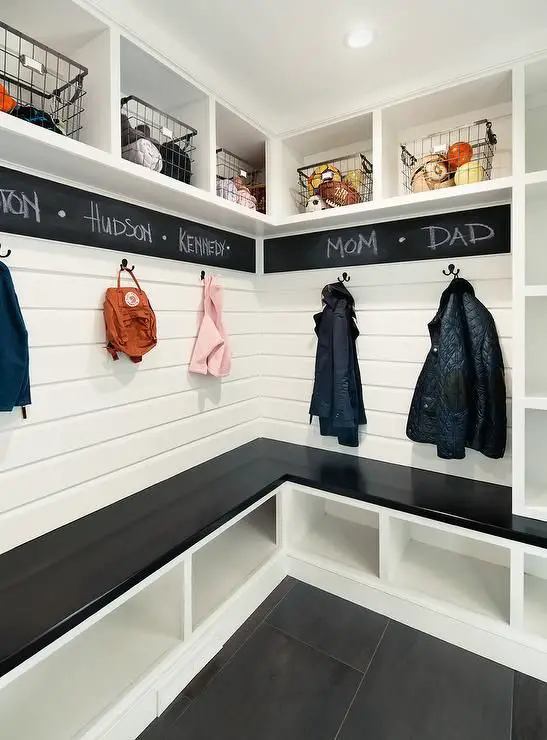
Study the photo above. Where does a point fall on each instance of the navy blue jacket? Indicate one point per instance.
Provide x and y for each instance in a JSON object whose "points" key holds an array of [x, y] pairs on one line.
{"points": [[14, 353], [459, 399], [337, 393]]}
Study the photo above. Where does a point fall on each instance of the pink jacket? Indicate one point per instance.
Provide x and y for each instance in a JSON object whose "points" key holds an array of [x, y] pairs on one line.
{"points": [[211, 351]]}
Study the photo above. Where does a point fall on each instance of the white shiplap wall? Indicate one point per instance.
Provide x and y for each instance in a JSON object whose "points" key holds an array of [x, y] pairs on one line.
{"points": [[394, 304], [97, 430]]}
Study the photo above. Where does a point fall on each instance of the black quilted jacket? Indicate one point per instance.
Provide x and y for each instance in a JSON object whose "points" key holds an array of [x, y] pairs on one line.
{"points": [[337, 392], [459, 399]]}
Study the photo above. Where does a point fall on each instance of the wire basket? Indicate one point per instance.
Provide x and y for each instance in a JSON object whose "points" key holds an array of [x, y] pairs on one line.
{"points": [[39, 85], [240, 182], [457, 156], [157, 140], [339, 182]]}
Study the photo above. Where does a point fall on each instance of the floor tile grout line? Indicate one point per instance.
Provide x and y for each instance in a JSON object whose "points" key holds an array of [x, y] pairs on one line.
{"points": [[361, 682], [314, 647], [244, 641]]}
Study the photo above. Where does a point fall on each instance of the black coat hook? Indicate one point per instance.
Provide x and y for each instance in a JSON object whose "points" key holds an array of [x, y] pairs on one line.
{"points": [[123, 266], [3, 256], [451, 271], [202, 275], [345, 278]]}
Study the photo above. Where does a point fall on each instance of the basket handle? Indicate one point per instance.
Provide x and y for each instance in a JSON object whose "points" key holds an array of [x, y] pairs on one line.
{"points": [[408, 159], [366, 164]]}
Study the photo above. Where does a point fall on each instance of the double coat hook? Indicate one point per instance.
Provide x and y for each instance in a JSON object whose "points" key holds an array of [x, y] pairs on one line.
{"points": [[451, 271], [345, 278], [3, 256], [123, 266]]}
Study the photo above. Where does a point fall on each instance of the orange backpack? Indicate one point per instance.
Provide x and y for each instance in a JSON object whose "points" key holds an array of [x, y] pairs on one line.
{"points": [[130, 321]]}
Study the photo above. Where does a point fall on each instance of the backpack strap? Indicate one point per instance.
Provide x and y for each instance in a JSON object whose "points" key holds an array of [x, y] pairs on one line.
{"points": [[131, 273]]}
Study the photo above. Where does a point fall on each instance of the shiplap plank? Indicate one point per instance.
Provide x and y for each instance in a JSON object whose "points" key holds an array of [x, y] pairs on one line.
{"points": [[42, 515], [30, 482]]}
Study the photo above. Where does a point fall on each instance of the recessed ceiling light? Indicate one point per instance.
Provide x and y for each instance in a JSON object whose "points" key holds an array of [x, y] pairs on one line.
{"points": [[360, 38]]}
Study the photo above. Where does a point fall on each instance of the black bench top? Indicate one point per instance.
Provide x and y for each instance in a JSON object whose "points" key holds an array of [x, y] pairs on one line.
{"points": [[52, 583]]}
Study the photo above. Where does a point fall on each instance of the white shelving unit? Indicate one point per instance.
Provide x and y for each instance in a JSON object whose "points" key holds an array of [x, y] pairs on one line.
{"points": [[535, 594], [451, 569], [334, 534], [223, 565]]}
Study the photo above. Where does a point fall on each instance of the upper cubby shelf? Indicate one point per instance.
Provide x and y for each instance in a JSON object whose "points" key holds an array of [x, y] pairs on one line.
{"points": [[146, 134], [536, 117]]}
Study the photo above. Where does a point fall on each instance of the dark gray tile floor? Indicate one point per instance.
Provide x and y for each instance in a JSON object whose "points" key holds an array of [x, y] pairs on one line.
{"points": [[308, 665]]}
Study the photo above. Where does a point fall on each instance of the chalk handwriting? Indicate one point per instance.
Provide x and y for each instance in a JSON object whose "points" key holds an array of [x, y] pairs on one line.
{"points": [[468, 234], [13, 203], [353, 245], [118, 227], [202, 246]]}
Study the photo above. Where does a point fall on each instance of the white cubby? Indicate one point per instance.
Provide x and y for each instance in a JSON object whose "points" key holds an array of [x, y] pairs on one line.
{"points": [[334, 533], [160, 86], [78, 683], [536, 230], [244, 141], [321, 145], [536, 346], [224, 564], [448, 567], [69, 29], [535, 594], [536, 116], [453, 107], [535, 433]]}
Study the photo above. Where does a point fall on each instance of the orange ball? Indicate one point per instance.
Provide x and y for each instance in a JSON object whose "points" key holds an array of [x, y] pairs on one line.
{"points": [[459, 153]]}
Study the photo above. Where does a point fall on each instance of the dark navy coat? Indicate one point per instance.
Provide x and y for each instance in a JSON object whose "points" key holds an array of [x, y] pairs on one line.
{"points": [[459, 399], [337, 393], [14, 353]]}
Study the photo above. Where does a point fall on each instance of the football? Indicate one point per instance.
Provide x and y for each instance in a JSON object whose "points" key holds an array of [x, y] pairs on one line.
{"points": [[338, 194]]}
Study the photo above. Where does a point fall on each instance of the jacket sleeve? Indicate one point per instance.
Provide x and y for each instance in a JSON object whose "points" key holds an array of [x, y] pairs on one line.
{"points": [[14, 352], [452, 413], [494, 432]]}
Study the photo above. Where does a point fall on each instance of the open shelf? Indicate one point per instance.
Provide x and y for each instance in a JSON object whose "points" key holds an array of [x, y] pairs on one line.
{"points": [[536, 347], [535, 432], [536, 116], [330, 532], [324, 145], [535, 594], [73, 687], [224, 564], [158, 85], [451, 569], [536, 227], [240, 153], [449, 109]]}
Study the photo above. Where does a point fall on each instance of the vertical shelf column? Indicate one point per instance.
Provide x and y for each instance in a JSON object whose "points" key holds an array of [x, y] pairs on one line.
{"points": [[518, 238]]}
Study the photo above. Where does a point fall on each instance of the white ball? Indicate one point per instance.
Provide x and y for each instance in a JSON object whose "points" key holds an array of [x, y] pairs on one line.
{"points": [[315, 203]]}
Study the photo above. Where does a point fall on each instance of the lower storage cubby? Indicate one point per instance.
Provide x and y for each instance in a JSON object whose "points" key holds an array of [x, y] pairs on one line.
{"points": [[225, 563], [535, 595], [69, 691], [451, 568], [329, 531]]}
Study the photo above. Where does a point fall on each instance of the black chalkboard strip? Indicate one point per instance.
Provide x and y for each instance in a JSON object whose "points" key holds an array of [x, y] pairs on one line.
{"points": [[476, 232], [32, 206]]}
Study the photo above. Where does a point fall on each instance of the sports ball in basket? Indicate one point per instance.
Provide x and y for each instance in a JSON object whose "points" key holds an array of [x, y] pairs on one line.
{"points": [[459, 153], [315, 203], [469, 173], [431, 173], [323, 173], [338, 194], [355, 178]]}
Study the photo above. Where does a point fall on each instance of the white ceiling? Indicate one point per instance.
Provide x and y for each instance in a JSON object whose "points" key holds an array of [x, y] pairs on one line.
{"points": [[289, 56]]}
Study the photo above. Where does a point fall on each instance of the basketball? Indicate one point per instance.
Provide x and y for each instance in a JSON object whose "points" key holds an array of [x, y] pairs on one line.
{"points": [[458, 154]]}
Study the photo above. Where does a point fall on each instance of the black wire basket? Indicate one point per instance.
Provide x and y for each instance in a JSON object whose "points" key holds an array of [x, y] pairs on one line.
{"points": [[339, 182], [458, 156], [157, 140], [240, 182], [39, 85]]}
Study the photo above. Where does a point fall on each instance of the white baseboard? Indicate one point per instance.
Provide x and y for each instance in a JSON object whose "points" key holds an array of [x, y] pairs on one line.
{"points": [[528, 655]]}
